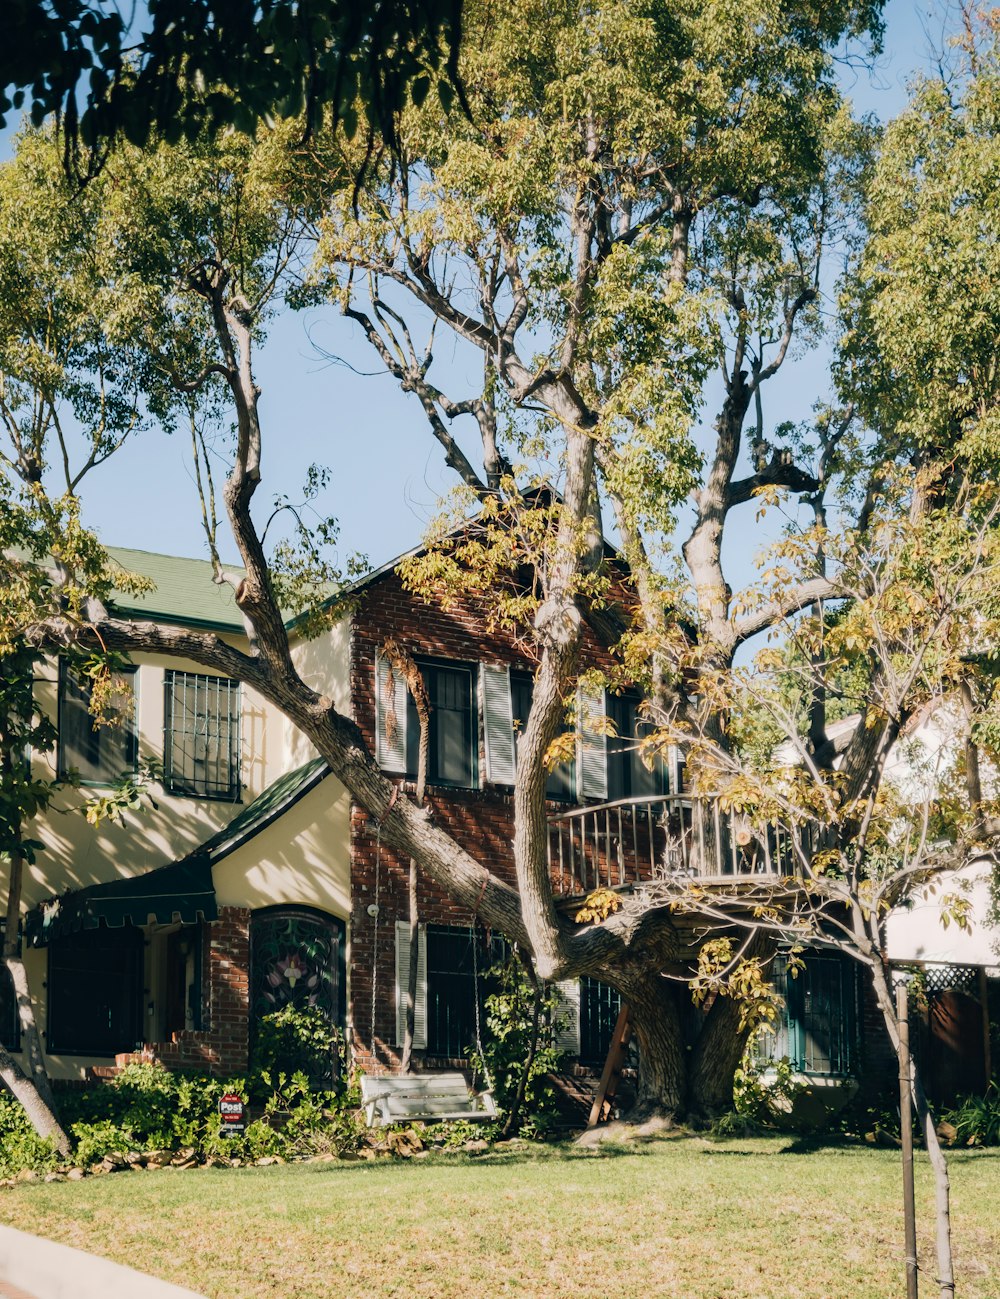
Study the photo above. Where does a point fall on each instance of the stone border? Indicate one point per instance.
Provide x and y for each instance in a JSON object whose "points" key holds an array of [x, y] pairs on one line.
{"points": [[46, 1270]]}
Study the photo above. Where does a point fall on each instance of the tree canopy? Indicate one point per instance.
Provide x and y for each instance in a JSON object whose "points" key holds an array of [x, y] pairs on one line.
{"points": [[633, 220], [186, 66]]}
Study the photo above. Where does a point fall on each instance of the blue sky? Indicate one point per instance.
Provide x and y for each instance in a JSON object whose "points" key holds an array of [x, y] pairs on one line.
{"points": [[387, 472]]}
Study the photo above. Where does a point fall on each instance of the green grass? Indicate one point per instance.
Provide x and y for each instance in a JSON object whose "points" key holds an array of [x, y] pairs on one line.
{"points": [[751, 1219]]}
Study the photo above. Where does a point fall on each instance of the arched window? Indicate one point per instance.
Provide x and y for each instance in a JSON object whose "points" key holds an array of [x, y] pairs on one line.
{"points": [[296, 959]]}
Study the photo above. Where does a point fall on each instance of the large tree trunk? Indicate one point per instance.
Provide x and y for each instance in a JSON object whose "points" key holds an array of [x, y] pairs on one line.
{"points": [[715, 1057], [24, 1091], [655, 1005], [31, 1042], [719, 1047], [34, 1091]]}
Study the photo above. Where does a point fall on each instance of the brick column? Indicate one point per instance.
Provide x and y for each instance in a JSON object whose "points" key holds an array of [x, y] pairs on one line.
{"points": [[228, 1025]]}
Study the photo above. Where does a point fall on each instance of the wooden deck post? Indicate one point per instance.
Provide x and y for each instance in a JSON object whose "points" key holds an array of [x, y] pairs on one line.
{"points": [[613, 1066]]}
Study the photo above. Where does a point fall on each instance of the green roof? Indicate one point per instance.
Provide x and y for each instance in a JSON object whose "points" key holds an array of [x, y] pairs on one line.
{"points": [[184, 591], [279, 796]]}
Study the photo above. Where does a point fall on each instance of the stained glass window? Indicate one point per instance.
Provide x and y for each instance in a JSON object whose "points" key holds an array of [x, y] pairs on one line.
{"points": [[297, 959]]}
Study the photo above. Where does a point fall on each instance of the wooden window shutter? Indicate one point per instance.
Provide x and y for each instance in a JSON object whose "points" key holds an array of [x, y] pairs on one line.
{"points": [[402, 975], [498, 721], [567, 1016], [591, 743], [390, 717]]}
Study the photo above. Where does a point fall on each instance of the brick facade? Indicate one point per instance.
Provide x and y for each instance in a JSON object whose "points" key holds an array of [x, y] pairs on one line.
{"points": [[879, 1069], [481, 820]]}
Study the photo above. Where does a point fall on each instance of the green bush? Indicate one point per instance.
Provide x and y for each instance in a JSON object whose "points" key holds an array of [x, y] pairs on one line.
{"points": [[20, 1146], [759, 1083], [145, 1107], [509, 1016], [298, 1040], [976, 1119]]}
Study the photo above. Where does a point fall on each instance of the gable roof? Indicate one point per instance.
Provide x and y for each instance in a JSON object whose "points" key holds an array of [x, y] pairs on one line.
{"points": [[185, 591], [182, 889], [279, 796]]}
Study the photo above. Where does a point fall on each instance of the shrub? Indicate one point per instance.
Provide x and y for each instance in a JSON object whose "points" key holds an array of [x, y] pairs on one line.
{"points": [[298, 1040], [20, 1145], [506, 1050], [145, 1107], [976, 1119], [759, 1084]]}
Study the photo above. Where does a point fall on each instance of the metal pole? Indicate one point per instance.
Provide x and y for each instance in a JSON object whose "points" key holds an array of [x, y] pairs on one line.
{"points": [[906, 1133]]}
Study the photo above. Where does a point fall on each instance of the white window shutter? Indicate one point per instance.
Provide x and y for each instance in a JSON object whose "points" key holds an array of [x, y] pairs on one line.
{"points": [[592, 745], [498, 721], [567, 1016], [390, 704], [402, 978]]}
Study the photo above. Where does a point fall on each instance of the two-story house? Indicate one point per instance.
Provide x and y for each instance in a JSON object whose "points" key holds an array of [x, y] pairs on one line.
{"points": [[254, 881]]}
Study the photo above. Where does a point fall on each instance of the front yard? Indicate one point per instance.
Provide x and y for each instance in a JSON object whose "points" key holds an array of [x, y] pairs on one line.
{"points": [[750, 1219]]}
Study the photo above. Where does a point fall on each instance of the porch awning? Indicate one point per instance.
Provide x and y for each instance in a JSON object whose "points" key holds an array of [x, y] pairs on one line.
{"points": [[181, 891]]}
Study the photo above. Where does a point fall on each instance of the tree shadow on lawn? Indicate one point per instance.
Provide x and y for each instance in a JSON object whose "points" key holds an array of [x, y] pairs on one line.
{"points": [[785, 1143], [563, 1152]]}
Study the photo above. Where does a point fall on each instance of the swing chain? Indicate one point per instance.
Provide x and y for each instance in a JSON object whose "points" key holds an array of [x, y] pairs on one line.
{"points": [[378, 889], [475, 997]]}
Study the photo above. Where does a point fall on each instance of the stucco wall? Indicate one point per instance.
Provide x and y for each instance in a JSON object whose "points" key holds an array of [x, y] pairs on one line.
{"points": [[78, 854], [303, 857], [918, 933]]}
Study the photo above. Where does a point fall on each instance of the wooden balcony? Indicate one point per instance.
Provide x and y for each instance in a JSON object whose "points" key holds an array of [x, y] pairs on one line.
{"points": [[676, 836]]}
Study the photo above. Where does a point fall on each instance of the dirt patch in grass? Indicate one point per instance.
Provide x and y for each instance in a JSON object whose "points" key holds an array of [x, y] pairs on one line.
{"points": [[709, 1220]]}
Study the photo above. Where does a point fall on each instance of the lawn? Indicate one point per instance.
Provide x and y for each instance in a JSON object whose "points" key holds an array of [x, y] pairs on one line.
{"points": [[752, 1219]]}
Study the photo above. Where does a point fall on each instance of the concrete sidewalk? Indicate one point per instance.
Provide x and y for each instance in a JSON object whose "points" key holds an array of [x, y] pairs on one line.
{"points": [[32, 1268]]}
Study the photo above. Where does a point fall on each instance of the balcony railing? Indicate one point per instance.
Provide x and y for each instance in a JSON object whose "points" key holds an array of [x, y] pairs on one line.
{"points": [[675, 836]]}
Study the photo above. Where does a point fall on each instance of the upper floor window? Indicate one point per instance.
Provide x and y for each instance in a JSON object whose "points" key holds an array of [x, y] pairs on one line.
{"points": [[201, 744], [628, 775], [561, 781], [453, 738], [97, 750], [605, 766]]}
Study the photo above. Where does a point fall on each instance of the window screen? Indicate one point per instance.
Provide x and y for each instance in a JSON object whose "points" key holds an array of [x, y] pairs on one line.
{"points": [[561, 782], [818, 1030], [453, 738], [95, 991], [99, 753], [201, 751], [452, 986], [600, 1005]]}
